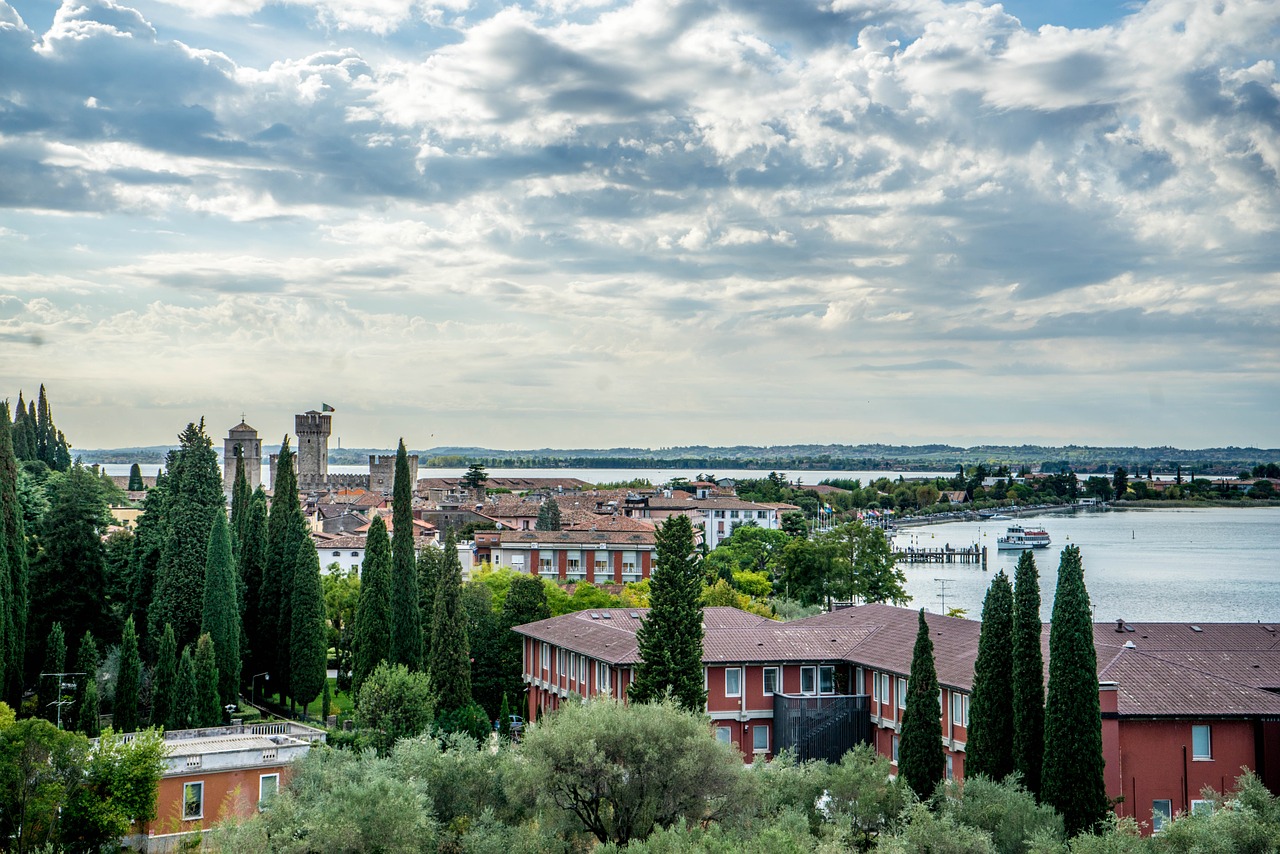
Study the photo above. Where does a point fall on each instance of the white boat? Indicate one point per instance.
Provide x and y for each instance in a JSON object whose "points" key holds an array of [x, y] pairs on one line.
{"points": [[1018, 538]]}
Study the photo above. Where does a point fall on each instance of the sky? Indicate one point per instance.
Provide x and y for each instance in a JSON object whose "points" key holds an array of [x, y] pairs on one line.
{"points": [[585, 223]]}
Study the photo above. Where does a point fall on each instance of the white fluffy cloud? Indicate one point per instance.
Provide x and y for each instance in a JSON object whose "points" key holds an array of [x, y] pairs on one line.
{"points": [[677, 218]]}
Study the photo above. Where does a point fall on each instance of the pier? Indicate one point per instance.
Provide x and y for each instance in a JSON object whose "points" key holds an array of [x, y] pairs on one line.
{"points": [[974, 554]]}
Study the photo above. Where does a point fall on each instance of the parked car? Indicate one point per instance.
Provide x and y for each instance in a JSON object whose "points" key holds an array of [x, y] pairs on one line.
{"points": [[517, 724]]}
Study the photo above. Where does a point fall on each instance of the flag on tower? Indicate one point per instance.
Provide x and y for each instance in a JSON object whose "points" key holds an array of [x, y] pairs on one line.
{"points": [[324, 407]]}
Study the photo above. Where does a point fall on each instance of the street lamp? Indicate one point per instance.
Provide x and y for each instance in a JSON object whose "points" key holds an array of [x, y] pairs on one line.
{"points": [[253, 684]]}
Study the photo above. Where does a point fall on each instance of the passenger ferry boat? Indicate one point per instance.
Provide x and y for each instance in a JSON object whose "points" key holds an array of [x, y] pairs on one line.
{"points": [[1019, 538]]}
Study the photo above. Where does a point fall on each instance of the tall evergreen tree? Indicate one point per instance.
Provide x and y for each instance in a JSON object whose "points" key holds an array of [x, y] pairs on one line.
{"points": [[13, 571], [526, 602], [69, 579], [286, 531], [920, 758], [406, 616], [251, 558], [148, 544], [429, 561], [548, 516], [486, 637], [164, 678], [989, 749], [1028, 675], [1072, 781], [135, 478], [186, 694], [208, 703], [240, 495], [450, 666], [372, 641], [309, 655], [221, 618], [87, 687], [55, 664], [670, 636], [195, 497], [24, 432], [124, 716]]}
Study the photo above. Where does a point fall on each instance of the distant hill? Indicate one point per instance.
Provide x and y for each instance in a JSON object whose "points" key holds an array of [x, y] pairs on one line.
{"points": [[1082, 458]]}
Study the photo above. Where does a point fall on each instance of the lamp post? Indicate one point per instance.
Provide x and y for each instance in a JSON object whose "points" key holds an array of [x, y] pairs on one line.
{"points": [[253, 683]]}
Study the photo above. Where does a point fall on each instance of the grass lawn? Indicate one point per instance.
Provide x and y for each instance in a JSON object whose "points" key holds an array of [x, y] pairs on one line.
{"points": [[343, 705]]}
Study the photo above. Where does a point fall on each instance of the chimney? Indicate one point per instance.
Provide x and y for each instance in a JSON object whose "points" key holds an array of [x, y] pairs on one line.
{"points": [[1120, 626]]}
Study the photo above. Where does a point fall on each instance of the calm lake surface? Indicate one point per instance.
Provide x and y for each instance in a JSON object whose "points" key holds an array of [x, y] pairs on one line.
{"points": [[1178, 565]]}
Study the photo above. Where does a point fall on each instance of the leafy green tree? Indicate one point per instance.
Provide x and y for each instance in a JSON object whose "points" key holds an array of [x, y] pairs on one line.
{"points": [[251, 558], [164, 678], [1120, 482], [920, 756], [923, 830], [116, 789], [286, 532], [341, 590], [186, 695], [793, 524], [989, 750], [548, 516], [623, 771], [430, 560], [1004, 809], [863, 791], [525, 602], [475, 477], [372, 641], [124, 716], [394, 703], [864, 564], [86, 718], [450, 665], [13, 569], [670, 635], [135, 478], [55, 664], [39, 764], [69, 579], [406, 616], [208, 703], [1072, 779], [1027, 675], [195, 497], [310, 651], [486, 635], [221, 619]]}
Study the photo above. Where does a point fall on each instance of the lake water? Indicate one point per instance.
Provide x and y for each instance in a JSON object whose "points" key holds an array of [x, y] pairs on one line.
{"points": [[1182, 565]]}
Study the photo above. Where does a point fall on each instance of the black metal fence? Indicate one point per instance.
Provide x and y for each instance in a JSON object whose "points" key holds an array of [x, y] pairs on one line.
{"points": [[820, 727]]}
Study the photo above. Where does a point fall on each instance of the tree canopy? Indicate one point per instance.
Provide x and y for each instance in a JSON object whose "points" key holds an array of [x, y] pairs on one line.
{"points": [[670, 636]]}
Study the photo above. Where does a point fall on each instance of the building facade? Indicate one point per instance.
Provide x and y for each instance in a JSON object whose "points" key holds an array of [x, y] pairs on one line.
{"points": [[598, 557]]}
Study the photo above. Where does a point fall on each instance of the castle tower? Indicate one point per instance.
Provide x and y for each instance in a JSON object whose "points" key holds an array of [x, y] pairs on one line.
{"points": [[312, 429], [251, 447]]}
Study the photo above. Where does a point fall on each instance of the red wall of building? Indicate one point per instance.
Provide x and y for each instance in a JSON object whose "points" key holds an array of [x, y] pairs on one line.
{"points": [[226, 793]]}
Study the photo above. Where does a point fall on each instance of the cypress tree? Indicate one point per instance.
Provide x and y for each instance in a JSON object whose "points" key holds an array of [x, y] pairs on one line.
{"points": [[128, 679], [326, 702], [186, 695], [55, 663], [240, 495], [24, 440], [13, 568], [44, 430], [921, 760], [406, 616], [450, 667], [1072, 780], [195, 497], [372, 641], [670, 636], [208, 703], [989, 749], [286, 531], [135, 478], [526, 602], [87, 704], [164, 678], [309, 651], [429, 561], [251, 558], [221, 619], [548, 516], [1028, 675], [148, 543]]}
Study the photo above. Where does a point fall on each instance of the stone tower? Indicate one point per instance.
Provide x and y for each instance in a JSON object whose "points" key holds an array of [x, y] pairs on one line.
{"points": [[312, 429], [251, 446]]}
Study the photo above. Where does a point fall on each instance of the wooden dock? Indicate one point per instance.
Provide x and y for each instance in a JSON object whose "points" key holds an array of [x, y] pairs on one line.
{"points": [[974, 554]]}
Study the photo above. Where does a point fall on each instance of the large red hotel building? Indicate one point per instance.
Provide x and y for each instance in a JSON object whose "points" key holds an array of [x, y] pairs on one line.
{"points": [[1184, 707]]}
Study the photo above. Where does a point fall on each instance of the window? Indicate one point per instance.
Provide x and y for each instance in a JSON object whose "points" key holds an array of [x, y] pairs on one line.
{"points": [[602, 567], [883, 679], [771, 680], [733, 681], [902, 693], [959, 709], [544, 656], [1201, 748], [720, 515], [192, 801], [895, 750], [355, 554], [573, 567], [582, 669], [761, 514], [629, 570], [724, 735], [268, 785], [1202, 807], [826, 680], [1161, 814], [951, 770], [602, 677], [337, 554], [875, 687], [760, 738], [559, 661], [808, 680], [544, 565], [733, 514]]}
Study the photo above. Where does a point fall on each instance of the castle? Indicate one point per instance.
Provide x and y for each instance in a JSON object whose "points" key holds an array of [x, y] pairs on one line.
{"points": [[312, 430]]}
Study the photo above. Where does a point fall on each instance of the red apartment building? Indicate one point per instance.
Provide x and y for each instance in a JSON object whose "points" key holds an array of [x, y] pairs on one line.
{"points": [[596, 556], [1184, 707]]}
